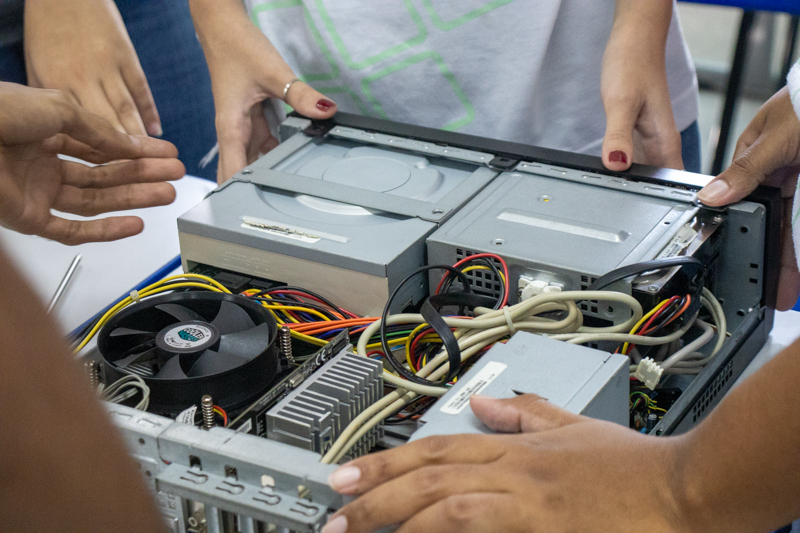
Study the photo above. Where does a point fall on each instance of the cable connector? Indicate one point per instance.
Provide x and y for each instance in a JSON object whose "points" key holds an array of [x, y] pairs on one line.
{"points": [[648, 372]]}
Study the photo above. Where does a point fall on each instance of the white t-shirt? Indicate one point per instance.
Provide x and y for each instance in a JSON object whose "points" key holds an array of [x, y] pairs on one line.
{"points": [[520, 70]]}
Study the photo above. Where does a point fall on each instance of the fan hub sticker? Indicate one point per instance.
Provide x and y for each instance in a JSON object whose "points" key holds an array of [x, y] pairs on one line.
{"points": [[188, 336]]}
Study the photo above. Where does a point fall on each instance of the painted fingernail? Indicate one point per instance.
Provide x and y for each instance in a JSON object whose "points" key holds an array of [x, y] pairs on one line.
{"points": [[344, 480], [155, 129], [337, 525], [618, 156], [714, 191], [324, 104]]}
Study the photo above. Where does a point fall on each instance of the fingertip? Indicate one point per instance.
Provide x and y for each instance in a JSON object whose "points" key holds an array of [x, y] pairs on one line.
{"points": [[154, 129], [715, 193], [617, 160]]}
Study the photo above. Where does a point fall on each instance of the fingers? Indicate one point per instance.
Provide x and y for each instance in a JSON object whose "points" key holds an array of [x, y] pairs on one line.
{"points": [[401, 499], [621, 117], [261, 139], [233, 133], [309, 102], [471, 513], [98, 134], [122, 173], [125, 108], [91, 202], [746, 173], [74, 232], [361, 475], [140, 92], [526, 413]]}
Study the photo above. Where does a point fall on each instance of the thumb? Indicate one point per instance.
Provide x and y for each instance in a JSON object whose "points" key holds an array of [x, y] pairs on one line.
{"points": [[618, 142], [746, 173], [526, 413], [309, 102]]}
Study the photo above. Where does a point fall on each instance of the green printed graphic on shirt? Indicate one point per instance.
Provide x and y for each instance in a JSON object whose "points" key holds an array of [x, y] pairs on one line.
{"points": [[416, 19], [315, 35], [447, 25], [368, 82]]}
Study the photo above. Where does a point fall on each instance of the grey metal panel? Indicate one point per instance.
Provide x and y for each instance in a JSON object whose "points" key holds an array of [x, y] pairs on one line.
{"points": [[361, 248], [560, 224], [579, 379], [253, 501]]}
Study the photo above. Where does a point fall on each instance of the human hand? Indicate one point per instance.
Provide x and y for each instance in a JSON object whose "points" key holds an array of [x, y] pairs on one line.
{"points": [[246, 69], [768, 152], [82, 48], [640, 126], [560, 473], [35, 126]]}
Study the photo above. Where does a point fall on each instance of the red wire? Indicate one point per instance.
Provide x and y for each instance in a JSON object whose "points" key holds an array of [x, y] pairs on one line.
{"points": [[683, 309], [310, 297], [479, 256], [224, 415], [657, 314]]}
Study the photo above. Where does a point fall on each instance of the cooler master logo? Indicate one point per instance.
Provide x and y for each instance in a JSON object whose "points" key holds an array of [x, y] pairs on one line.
{"points": [[191, 334], [188, 336]]}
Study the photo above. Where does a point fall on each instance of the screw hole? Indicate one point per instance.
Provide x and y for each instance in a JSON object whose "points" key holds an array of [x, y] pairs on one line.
{"points": [[744, 229], [141, 441], [610, 309], [438, 212], [148, 473], [667, 222], [498, 242], [740, 312]]}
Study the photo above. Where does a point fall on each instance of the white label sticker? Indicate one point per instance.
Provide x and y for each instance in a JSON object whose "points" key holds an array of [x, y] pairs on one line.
{"points": [[482, 379], [289, 233], [246, 427], [187, 416]]}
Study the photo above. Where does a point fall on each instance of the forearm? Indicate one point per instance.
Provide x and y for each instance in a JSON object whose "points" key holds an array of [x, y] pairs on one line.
{"points": [[63, 466], [225, 30], [740, 469], [646, 23]]}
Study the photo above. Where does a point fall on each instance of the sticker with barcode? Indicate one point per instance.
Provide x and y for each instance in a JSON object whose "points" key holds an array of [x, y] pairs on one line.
{"points": [[187, 416], [476, 385]]}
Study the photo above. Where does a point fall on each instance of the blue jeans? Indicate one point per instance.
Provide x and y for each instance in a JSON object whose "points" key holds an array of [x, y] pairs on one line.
{"points": [[690, 138], [173, 61]]}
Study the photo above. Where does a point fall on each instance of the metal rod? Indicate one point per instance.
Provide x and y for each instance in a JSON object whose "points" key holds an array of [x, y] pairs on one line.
{"points": [[64, 282], [734, 90]]}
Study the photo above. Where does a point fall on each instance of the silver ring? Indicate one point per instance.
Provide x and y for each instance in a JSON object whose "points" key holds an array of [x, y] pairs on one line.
{"points": [[288, 86]]}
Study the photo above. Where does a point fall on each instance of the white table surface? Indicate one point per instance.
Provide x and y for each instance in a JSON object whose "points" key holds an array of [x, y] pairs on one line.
{"points": [[107, 270]]}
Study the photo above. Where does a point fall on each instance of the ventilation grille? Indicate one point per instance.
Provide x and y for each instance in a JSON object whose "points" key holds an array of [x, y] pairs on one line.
{"points": [[483, 282], [709, 396], [588, 306]]}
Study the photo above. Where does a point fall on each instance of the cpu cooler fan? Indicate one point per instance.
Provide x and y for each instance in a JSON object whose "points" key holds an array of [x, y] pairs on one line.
{"points": [[186, 345]]}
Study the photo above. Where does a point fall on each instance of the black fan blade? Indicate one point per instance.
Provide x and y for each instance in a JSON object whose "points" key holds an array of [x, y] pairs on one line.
{"points": [[212, 362], [136, 358], [248, 344], [183, 314], [232, 319], [124, 332], [171, 370]]}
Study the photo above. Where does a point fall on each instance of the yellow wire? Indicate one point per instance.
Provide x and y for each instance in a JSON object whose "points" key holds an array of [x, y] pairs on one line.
{"points": [[296, 308], [408, 345], [644, 319], [481, 267], [155, 288], [309, 339], [277, 317]]}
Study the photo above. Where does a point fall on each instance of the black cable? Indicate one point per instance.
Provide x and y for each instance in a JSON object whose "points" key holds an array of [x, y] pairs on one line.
{"points": [[646, 266], [482, 261], [452, 355], [315, 295]]}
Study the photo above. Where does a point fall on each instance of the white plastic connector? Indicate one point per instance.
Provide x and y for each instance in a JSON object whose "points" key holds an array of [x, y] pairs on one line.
{"points": [[533, 288], [649, 372], [552, 288]]}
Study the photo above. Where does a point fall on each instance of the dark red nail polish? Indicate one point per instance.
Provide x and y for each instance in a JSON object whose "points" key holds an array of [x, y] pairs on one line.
{"points": [[618, 156], [324, 104]]}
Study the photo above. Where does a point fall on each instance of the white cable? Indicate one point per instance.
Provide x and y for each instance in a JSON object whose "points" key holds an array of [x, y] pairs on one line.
{"points": [[699, 342]]}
